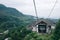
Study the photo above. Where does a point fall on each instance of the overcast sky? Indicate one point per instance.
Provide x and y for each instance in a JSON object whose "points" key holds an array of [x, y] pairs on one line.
{"points": [[43, 7]]}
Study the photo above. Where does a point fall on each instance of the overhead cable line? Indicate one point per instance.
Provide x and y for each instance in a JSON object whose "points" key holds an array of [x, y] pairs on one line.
{"points": [[52, 9], [35, 9]]}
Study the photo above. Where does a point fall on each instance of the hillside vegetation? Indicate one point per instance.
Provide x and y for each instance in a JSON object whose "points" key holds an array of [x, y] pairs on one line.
{"points": [[15, 23], [11, 18]]}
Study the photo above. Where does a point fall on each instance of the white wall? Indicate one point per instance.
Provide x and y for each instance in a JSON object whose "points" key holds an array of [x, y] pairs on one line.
{"points": [[53, 27], [34, 29], [48, 31]]}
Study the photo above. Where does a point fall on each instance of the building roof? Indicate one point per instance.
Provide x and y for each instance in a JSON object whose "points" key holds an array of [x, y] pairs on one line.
{"points": [[49, 22]]}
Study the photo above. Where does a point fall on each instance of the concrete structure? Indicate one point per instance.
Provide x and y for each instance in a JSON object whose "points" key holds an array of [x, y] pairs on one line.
{"points": [[42, 26]]}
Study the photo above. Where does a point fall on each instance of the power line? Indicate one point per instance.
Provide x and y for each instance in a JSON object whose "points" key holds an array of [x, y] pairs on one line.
{"points": [[35, 9], [50, 11], [52, 8]]}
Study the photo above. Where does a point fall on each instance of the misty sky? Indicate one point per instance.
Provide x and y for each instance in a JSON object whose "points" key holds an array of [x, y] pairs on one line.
{"points": [[43, 7]]}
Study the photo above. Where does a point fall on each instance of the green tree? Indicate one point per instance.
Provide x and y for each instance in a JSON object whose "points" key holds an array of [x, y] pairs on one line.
{"points": [[18, 33], [56, 34], [33, 36]]}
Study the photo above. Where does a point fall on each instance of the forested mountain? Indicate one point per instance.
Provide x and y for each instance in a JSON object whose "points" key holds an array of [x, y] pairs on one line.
{"points": [[15, 23], [11, 18]]}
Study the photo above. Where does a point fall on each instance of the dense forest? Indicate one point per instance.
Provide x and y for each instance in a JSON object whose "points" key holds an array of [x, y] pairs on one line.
{"points": [[13, 26], [11, 18]]}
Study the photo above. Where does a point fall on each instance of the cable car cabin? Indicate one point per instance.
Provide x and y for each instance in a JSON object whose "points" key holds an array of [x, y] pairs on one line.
{"points": [[42, 26]]}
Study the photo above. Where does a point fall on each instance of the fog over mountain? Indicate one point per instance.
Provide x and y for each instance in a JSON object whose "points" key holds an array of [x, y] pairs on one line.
{"points": [[43, 7]]}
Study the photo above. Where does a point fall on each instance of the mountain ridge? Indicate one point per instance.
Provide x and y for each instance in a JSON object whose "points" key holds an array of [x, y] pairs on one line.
{"points": [[12, 18]]}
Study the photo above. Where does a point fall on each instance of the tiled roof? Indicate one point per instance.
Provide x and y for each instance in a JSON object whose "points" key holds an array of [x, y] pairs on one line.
{"points": [[49, 22]]}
